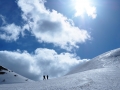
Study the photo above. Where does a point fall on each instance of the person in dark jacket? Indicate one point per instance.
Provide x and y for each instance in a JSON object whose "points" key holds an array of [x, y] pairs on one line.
{"points": [[43, 77], [47, 77]]}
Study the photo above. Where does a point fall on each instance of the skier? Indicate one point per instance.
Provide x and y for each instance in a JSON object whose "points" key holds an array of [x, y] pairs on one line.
{"points": [[43, 77], [47, 77]]}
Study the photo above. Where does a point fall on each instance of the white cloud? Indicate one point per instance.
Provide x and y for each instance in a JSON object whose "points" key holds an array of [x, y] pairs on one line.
{"points": [[3, 19], [10, 32], [42, 61], [92, 12], [51, 26]]}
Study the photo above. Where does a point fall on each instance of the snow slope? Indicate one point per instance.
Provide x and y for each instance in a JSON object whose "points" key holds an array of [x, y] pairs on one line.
{"points": [[109, 59], [100, 73], [7, 77]]}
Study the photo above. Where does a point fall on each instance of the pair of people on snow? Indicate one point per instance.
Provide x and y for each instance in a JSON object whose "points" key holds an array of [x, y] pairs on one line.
{"points": [[45, 77]]}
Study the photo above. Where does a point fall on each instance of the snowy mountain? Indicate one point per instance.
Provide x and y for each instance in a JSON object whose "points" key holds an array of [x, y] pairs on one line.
{"points": [[7, 76], [100, 73]]}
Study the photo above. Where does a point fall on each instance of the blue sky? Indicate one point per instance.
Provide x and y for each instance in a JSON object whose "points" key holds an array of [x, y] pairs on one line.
{"points": [[56, 29]]}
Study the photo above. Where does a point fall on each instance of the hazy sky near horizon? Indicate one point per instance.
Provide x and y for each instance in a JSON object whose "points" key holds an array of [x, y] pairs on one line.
{"points": [[53, 36]]}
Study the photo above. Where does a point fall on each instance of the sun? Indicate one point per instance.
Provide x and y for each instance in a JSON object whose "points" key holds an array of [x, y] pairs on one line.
{"points": [[81, 6], [84, 6]]}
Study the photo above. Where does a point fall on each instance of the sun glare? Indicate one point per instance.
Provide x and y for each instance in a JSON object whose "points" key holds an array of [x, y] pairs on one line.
{"points": [[83, 6]]}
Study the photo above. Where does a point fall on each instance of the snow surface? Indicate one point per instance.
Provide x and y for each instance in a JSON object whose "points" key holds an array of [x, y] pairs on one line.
{"points": [[100, 73], [11, 77]]}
